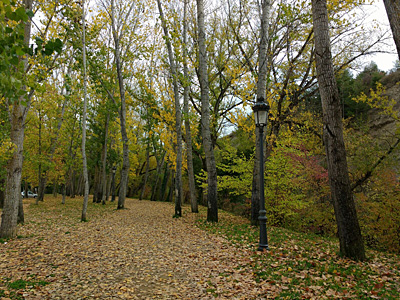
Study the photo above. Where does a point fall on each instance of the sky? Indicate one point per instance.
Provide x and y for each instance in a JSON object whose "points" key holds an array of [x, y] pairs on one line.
{"points": [[385, 62]]}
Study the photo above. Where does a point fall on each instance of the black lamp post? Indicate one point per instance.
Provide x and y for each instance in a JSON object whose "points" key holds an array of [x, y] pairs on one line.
{"points": [[114, 169], [261, 117]]}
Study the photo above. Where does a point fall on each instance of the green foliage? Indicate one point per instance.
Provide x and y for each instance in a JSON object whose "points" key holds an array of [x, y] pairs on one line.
{"points": [[21, 284], [12, 50], [379, 211]]}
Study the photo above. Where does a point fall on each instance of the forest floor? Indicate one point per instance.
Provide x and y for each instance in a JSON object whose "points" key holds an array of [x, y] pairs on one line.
{"points": [[143, 253]]}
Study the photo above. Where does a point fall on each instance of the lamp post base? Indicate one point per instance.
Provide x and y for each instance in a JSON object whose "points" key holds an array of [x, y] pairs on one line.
{"points": [[262, 247]]}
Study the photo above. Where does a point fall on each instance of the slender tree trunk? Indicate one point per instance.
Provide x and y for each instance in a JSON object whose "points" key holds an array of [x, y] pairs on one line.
{"points": [[17, 116], [72, 185], [164, 184], [42, 187], [43, 175], [393, 12], [40, 195], [108, 188], [146, 173], [55, 188], [261, 97], [178, 116], [84, 159], [96, 184], [64, 192], [26, 188], [21, 215], [160, 163], [104, 163], [212, 201], [188, 134], [351, 243], [122, 115]]}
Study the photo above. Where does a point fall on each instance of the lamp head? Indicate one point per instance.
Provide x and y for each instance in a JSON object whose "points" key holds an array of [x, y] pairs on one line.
{"points": [[261, 113]]}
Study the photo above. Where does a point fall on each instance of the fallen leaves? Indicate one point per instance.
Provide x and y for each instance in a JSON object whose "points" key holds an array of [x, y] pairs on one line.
{"points": [[143, 253]]}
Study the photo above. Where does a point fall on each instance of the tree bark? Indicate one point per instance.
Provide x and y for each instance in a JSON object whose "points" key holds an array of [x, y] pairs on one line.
{"points": [[261, 97], [104, 163], [186, 85], [17, 116], [2, 186], [212, 201], [351, 243], [122, 115], [64, 190], [160, 163], [393, 12], [178, 116], [84, 159], [146, 174]]}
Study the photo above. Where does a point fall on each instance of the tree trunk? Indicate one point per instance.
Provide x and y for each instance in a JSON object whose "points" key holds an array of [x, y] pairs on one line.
{"points": [[164, 184], [261, 97], [42, 187], [146, 174], [189, 154], [96, 184], [104, 163], [212, 202], [72, 191], [393, 12], [64, 190], [178, 116], [84, 159], [108, 190], [55, 187], [122, 115], [255, 191], [160, 163], [21, 215], [26, 188], [17, 116], [351, 243], [2, 187]]}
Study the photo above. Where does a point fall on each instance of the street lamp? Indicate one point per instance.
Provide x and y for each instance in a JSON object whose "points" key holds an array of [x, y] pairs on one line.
{"points": [[114, 169], [261, 117]]}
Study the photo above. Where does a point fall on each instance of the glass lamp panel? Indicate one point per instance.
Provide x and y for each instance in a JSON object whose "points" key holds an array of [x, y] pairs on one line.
{"points": [[262, 118]]}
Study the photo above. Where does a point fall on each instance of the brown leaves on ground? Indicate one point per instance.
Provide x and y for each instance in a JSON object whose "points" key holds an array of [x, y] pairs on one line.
{"points": [[137, 253], [144, 253]]}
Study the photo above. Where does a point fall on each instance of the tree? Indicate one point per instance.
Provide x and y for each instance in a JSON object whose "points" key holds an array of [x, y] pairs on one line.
{"points": [[351, 243], [18, 105], [212, 203], [261, 97], [178, 115], [84, 159], [393, 12], [188, 136]]}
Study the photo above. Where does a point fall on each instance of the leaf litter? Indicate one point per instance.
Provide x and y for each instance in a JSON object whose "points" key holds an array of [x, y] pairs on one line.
{"points": [[143, 253]]}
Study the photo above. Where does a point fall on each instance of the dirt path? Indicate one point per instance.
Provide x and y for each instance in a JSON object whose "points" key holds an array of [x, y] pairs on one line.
{"points": [[138, 253]]}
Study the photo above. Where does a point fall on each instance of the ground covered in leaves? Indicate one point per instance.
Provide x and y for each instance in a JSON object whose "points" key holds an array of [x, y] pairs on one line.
{"points": [[143, 253]]}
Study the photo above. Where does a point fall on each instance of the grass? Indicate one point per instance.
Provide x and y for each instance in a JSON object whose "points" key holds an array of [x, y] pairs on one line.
{"points": [[308, 265], [298, 265], [15, 289]]}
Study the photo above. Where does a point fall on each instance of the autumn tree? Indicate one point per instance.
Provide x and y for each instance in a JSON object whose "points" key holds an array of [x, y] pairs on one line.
{"points": [[186, 90], [351, 243], [15, 63], [84, 116], [178, 114], [212, 203]]}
